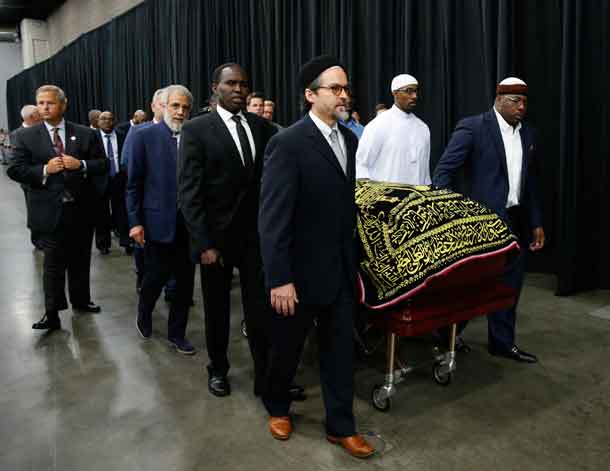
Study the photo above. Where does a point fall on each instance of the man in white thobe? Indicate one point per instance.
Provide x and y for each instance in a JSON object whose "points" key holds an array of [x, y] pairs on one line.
{"points": [[395, 146]]}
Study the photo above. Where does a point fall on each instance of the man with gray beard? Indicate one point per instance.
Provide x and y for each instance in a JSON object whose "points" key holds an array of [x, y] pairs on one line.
{"points": [[154, 220]]}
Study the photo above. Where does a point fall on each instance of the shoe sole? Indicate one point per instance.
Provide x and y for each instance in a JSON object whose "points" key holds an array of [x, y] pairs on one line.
{"points": [[185, 352], [141, 333], [281, 438], [335, 441]]}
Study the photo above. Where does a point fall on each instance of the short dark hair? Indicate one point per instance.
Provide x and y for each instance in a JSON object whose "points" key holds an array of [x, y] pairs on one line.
{"points": [[313, 86], [254, 95], [381, 106], [218, 70]]}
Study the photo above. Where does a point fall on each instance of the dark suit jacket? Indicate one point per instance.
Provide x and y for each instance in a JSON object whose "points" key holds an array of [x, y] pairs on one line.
{"points": [[151, 182], [307, 213], [33, 149], [123, 127], [477, 144], [101, 182], [216, 194]]}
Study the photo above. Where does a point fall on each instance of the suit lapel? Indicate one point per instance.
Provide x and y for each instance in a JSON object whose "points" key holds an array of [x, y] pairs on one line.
{"points": [[45, 140], [494, 130], [321, 145], [70, 145], [225, 136]]}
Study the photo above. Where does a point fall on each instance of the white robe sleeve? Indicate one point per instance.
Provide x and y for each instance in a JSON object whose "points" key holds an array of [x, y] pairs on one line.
{"points": [[367, 153]]}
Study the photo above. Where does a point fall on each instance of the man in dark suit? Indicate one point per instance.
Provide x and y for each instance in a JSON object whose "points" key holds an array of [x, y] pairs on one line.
{"points": [[56, 159], [497, 150], [30, 117], [113, 214], [307, 222], [218, 185], [139, 117], [155, 221]]}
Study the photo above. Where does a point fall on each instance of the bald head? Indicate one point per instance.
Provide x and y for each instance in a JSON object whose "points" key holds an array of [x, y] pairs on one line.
{"points": [[139, 117]]}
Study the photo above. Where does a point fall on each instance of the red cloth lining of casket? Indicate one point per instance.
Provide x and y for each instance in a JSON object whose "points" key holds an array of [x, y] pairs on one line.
{"points": [[468, 271], [471, 290]]}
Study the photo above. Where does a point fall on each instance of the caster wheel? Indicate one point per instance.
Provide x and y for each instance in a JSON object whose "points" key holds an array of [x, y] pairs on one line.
{"points": [[244, 331], [379, 400], [444, 379]]}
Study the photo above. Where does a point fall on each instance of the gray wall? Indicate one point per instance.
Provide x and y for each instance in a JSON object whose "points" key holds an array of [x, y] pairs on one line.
{"points": [[11, 64], [76, 17]]}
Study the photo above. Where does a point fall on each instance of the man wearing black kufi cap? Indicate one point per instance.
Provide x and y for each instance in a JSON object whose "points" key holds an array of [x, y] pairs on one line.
{"points": [[307, 220], [497, 149]]}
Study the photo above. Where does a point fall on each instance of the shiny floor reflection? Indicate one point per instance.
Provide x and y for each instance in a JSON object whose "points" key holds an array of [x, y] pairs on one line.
{"points": [[95, 396]]}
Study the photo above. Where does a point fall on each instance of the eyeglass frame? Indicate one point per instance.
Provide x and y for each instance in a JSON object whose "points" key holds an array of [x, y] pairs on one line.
{"points": [[347, 89]]}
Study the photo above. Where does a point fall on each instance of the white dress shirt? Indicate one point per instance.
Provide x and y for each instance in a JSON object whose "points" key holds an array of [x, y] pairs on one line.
{"points": [[511, 136], [231, 125], [115, 146], [395, 147], [326, 131], [62, 131]]}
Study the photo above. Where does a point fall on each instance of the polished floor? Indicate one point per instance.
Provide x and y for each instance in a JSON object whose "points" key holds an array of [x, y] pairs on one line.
{"points": [[95, 396]]}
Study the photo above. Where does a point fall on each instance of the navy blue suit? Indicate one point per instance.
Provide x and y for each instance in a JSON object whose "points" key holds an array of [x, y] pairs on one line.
{"points": [[477, 145], [152, 203], [307, 219]]}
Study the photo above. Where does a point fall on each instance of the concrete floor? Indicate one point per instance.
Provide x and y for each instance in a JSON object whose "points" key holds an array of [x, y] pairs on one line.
{"points": [[97, 397]]}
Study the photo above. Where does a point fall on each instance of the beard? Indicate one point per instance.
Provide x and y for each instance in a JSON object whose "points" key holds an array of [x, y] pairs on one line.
{"points": [[342, 115], [175, 126]]}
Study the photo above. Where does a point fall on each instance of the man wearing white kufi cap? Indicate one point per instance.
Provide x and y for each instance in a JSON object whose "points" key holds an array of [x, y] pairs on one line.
{"points": [[497, 150], [395, 146]]}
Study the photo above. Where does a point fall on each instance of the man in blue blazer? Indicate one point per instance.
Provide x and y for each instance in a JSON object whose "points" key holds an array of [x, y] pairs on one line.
{"points": [[154, 220], [307, 220], [497, 150]]}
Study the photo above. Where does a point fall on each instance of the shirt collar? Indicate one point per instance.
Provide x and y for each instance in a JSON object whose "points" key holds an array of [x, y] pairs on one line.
{"points": [[324, 128], [111, 133], [226, 115], [397, 111], [61, 125], [504, 126]]}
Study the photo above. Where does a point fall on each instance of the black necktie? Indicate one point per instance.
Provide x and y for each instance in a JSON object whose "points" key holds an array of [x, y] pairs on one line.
{"points": [[246, 150]]}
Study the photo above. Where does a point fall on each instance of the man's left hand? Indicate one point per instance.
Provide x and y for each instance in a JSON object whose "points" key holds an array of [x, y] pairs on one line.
{"points": [[70, 163], [538, 239]]}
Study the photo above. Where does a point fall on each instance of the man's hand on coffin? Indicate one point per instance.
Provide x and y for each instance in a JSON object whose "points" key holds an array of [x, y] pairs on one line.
{"points": [[284, 298], [210, 256], [538, 239]]}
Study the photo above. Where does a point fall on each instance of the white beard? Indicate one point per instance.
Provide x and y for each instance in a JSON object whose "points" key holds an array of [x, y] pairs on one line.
{"points": [[173, 125]]}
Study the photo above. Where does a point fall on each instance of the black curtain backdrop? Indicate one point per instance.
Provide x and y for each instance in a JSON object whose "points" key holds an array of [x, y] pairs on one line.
{"points": [[458, 50]]}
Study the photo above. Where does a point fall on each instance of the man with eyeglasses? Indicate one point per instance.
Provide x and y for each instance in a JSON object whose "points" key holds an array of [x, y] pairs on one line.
{"points": [[307, 219], [395, 146], [497, 150]]}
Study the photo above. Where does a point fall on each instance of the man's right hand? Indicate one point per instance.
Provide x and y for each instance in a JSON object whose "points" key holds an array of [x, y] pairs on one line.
{"points": [[55, 165], [137, 234], [210, 256], [284, 299]]}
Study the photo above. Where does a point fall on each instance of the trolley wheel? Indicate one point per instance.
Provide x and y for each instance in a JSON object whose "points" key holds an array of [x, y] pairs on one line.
{"points": [[380, 402], [244, 331], [444, 379]]}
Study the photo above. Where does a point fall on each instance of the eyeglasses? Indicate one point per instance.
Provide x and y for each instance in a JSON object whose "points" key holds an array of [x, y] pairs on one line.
{"points": [[337, 89]]}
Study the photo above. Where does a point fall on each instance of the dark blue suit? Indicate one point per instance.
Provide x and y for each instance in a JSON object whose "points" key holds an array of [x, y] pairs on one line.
{"points": [[152, 203], [477, 145], [307, 219]]}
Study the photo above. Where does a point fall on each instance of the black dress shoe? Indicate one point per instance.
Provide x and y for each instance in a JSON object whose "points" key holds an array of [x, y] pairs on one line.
{"points": [[89, 307], [297, 393], [515, 354], [104, 251], [461, 346], [219, 386], [47, 323]]}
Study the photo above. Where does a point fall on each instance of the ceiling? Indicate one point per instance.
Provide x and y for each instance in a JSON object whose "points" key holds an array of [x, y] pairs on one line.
{"points": [[13, 11]]}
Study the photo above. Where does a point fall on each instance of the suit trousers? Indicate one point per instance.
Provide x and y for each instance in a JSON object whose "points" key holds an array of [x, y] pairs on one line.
{"points": [[216, 287], [112, 215], [336, 344], [160, 261], [65, 250]]}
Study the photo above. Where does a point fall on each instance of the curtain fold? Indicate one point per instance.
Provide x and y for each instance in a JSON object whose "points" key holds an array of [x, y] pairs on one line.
{"points": [[457, 50]]}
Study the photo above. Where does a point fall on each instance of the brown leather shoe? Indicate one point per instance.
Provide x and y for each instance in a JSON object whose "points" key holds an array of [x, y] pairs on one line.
{"points": [[354, 445], [280, 427]]}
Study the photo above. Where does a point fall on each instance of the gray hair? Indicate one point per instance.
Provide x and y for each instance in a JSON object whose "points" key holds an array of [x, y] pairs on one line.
{"points": [[27, 111], [180, 90], [61, 96], [159, 95]]}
